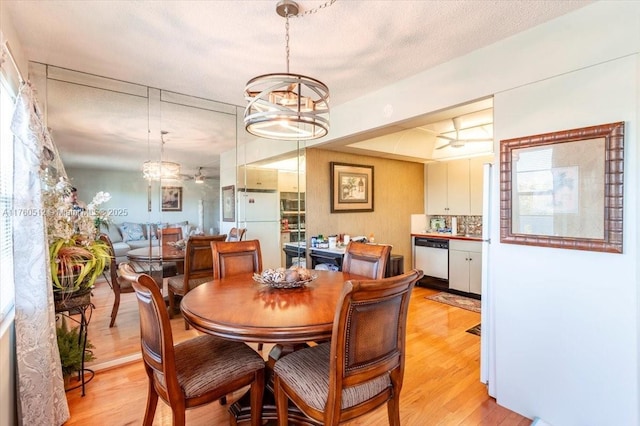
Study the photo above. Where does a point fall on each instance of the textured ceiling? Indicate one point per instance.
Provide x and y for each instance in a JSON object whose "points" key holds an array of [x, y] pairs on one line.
{"points": [[210, 49]]}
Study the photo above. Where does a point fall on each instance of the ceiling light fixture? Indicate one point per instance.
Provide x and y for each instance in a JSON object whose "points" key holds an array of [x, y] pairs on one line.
{"points": [[199, 177], [156, 170], [287, 106]]}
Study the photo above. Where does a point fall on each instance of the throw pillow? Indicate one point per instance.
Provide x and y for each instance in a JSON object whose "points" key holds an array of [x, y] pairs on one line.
{"points": [[132, 232], [113, 232], [152, 231]]}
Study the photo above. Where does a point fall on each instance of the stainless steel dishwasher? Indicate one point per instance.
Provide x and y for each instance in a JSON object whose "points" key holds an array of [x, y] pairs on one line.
{"points": [[432, 256]]}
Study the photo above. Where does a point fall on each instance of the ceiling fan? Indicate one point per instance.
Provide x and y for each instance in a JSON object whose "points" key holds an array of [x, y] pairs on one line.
{"points": [[197, 178], [458, 142]]}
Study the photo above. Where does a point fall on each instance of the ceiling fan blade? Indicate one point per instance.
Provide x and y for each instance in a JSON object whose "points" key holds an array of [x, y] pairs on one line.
{"points": [[444, 146], [474, 140], [449, 138]]}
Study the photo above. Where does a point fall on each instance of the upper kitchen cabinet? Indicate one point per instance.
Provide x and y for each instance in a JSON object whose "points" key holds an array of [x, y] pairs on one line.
{"points": [[289, 182], [448, 188], [257, 178], [455, 187]]}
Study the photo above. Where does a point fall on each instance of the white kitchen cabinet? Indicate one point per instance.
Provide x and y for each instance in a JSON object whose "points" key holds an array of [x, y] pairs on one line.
{"points": [[437, 189], [448, 188], [455, 187], [289, 182], [465, 266], [257, 178]]}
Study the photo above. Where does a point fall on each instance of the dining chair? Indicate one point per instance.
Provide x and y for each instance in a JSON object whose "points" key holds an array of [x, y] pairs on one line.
{"points": [[369, 260], [362, 367], [169, 235], [198, 269], [236, 257], [194, 372], [166, 236], [236, 234], [118, 284]]}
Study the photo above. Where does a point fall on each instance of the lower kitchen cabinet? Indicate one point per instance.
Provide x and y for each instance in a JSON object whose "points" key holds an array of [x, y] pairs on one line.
{"points": [[465, 266]]}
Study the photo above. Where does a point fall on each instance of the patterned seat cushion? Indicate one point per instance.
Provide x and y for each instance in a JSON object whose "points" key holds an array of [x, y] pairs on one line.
{"points": [[177, 282], [206, 362], [307, 372]]}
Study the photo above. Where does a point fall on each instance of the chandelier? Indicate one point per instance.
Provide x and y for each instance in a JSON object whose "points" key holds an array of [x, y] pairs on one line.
{"points": [[287, 106], [156, 170]]}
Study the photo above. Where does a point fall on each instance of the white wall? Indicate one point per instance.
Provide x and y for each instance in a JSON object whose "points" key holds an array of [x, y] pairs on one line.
{"points": [[566, 320]]}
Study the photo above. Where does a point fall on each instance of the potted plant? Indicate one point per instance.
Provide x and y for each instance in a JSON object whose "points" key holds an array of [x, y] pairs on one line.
{"points": [[72, 350], [77, 258], [76, 263]]}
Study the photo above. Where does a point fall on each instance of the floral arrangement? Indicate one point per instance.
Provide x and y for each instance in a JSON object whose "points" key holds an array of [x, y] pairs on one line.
{"points": [[76, 257]]}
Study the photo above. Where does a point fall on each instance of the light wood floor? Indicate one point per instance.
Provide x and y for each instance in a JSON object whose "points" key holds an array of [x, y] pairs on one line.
{"points": [[441, 381]]}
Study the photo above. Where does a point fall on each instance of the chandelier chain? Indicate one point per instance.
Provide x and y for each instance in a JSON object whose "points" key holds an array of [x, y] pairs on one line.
{"points": [[315, 9], [300, 15], [287, 39]]}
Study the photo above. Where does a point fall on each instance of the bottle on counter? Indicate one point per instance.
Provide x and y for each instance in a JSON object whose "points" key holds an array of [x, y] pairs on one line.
{"points": [[372, 238]]}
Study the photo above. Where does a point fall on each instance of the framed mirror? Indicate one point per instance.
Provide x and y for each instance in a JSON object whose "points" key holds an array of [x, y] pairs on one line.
{"points": [[564, 189]]}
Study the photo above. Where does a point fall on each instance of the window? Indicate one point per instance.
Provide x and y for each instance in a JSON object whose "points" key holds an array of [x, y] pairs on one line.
{"points": [[7, 295]]}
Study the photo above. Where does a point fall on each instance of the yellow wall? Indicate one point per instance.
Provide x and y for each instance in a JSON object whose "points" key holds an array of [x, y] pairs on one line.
{"points": [[398, 192]]}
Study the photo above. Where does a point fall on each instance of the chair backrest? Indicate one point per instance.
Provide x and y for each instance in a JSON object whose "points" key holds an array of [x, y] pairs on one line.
{"points": [[156, 338], [169, 235], [113, 268], [236, 234], [235, 257], [369, 329], [369, 260], [198, 256]]}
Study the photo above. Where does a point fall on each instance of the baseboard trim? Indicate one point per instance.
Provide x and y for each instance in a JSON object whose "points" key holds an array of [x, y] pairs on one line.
{"points": [[118, 362]]}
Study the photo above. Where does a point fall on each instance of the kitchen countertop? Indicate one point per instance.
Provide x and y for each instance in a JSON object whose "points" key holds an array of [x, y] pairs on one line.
{"points": [[448, 236], [337, 250]]}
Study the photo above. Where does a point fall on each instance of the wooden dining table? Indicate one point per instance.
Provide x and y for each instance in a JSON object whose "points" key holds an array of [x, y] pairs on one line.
{"points": [[239, 308], [158, 254]]}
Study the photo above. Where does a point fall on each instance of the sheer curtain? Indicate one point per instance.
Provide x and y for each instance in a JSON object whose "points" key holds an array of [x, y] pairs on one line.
{"points": [[41, 396]]}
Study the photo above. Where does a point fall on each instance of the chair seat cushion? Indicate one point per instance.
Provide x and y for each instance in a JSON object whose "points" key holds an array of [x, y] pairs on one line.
{"points": [[307, 372], [206, 362], [177, 283]]}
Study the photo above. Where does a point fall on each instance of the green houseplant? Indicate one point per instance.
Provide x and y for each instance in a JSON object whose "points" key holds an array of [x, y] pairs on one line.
{"points": [[71, 349]]}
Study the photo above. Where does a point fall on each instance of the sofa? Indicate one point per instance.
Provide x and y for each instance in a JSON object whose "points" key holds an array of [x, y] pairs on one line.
{"points": [[127, 236]]}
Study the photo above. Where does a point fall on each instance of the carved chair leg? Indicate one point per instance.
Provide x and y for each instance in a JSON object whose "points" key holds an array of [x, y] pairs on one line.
{"points": [[114, 310]]}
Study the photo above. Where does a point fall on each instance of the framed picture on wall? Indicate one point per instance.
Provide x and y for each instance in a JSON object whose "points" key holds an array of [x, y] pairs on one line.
{"points": [[171, 198], [228, 203], [351, 188], [564, 189]]}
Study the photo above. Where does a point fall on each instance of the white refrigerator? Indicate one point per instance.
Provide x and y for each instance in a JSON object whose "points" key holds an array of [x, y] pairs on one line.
{"points": [[259, 213], [487, 337]]}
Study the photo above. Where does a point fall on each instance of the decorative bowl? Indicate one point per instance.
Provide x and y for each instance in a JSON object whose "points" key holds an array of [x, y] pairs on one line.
{"points": [[282, 284]]}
